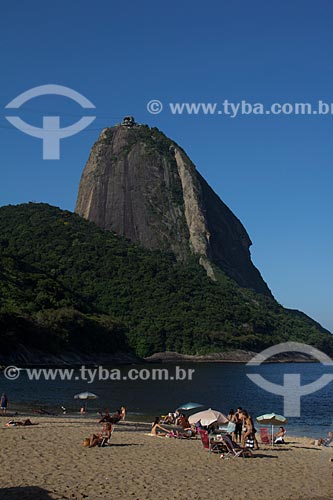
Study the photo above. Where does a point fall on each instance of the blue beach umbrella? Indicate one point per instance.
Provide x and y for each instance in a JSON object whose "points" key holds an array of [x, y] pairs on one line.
{"points": [[189, 406]]}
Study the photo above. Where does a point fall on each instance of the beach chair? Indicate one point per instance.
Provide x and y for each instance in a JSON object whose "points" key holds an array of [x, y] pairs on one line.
{"points": [[264, 435], [327, 442], [279, 440], [234, 450], [106, 440], [210, 445]]}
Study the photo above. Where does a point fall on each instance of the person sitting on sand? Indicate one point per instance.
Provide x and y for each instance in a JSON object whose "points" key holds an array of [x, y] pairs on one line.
{"points": [[155, 427], [183, 422], [105, 433], [188, 432], [324, 441], [178, 415], [278, 436], [170, 418]]}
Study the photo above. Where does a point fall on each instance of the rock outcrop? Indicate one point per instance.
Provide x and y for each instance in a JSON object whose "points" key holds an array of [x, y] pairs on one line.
{"points": [[142, 185]]}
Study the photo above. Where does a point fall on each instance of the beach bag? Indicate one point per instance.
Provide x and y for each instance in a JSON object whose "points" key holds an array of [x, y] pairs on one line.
{"points": [[249, 442]]}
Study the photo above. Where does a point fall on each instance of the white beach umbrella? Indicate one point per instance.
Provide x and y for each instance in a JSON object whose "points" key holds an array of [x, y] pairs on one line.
{"points": [[84, 396], [208, 417], [272, 419]]}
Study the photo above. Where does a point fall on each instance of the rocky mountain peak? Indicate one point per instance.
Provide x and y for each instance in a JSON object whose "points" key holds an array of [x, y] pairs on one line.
{"points": [[142, 185]]}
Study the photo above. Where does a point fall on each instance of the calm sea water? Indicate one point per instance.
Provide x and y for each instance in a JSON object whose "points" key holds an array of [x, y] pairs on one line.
{"points": [[216, 385]]}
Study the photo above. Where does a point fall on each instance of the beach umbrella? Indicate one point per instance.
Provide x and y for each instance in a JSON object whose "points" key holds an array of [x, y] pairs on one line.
{"points": [[272, 419], [208, 417], [189, 406], [84, 396]]}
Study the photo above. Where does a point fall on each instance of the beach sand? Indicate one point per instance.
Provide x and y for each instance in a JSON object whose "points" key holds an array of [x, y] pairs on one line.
{"points": [[48, 461]]}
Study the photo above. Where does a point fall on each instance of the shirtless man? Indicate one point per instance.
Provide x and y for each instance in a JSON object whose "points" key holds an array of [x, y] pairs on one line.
{"points": [[239, 424]]}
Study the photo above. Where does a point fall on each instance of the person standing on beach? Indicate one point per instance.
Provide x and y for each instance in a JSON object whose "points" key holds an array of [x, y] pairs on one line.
{"points": [[232, 418], [239, 425], [122, 412], [248, 429], [4, 403]]}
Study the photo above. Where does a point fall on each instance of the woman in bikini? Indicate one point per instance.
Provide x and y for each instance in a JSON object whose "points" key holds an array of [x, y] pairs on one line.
{"points": [[249, 429], [156, 426], [105, 433]]}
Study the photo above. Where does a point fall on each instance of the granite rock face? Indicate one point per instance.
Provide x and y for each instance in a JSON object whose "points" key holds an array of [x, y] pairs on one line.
{"points": [[142, 185]]}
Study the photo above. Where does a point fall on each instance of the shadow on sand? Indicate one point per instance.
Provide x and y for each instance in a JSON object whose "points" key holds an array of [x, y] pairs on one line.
{"points": [[24, 493]]}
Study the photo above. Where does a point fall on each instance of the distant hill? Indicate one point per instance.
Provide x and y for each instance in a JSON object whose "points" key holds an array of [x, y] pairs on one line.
{"points": [[67, 286]]}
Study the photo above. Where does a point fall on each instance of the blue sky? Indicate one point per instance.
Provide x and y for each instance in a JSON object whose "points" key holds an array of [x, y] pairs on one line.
{"points": [[274, 172]]}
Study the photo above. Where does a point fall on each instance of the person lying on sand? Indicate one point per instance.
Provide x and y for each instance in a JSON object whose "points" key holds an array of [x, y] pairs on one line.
{"points": [[13, 423], [105, 433], [156, 427], [189, 432], [324, 441]]}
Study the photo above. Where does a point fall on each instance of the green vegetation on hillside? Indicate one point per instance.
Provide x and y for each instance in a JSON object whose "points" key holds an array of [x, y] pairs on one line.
{"points": [[67, 285]]}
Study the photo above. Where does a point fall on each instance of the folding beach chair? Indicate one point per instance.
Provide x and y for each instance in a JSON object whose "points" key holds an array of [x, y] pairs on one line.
{"points": [[264, 435], [280, 440], [233, 449], [327, 442], [210, 445], [106, 440]]}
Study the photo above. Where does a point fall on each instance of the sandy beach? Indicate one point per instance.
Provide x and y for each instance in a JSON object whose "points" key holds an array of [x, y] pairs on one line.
{"points": [[48, 461]]}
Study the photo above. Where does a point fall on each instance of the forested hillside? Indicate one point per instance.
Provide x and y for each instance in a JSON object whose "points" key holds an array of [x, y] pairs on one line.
{"points": [[66, 285]]}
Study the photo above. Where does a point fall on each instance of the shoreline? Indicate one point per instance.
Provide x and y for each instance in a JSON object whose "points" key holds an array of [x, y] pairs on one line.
{"points": [[33, 359], [308, 432]]}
